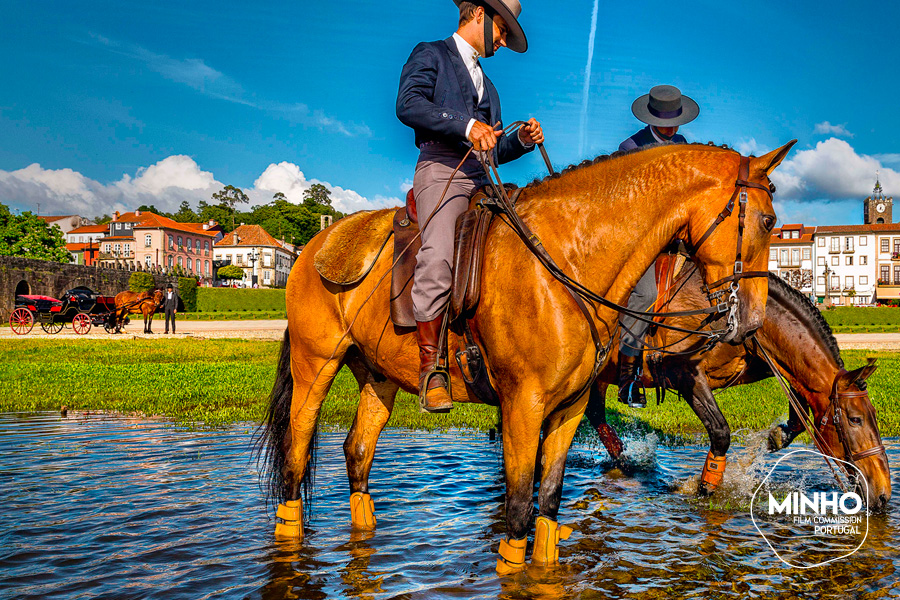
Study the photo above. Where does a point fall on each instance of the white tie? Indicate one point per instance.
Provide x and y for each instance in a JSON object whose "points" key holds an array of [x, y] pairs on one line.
{"points": [[477, 78]]}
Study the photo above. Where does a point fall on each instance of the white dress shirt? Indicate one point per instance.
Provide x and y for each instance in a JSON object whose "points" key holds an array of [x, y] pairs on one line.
{"points": [[470, 59]]}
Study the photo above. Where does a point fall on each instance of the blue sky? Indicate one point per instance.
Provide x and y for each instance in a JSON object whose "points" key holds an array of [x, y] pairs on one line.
{"points": [[110, 104]]}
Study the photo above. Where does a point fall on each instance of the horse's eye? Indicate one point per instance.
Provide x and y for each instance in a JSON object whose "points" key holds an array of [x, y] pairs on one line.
{"points": [[769, 222], [856, 421]]}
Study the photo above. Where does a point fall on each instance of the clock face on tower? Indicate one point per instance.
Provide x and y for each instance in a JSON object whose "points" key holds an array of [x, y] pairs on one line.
{"points": [[880, 207]]}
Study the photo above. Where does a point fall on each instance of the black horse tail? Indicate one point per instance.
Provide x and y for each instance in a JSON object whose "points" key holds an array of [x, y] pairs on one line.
{"points": [[274, 440]]}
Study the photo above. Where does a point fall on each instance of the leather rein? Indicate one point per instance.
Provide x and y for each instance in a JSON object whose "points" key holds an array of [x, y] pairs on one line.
{"points": [[837, 417]]}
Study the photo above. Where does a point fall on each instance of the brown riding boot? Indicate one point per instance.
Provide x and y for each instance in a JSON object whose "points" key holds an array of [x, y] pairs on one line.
{"points": [[436, 398], [631, 389]]}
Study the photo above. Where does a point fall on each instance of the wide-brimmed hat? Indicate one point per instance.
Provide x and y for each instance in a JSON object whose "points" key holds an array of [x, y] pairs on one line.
{"points": [[509, 10], [664, 106]]}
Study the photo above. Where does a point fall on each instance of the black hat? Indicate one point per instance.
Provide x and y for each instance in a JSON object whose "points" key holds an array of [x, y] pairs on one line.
{"points": [[169, 287], [509, 10], [664, 106]]}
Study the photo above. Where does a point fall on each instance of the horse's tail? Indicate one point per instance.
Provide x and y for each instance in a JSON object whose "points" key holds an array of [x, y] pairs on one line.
{"points": [[274, 439]]}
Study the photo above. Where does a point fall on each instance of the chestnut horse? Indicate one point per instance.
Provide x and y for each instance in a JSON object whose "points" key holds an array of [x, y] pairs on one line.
{"points": [[604, 223], [146, 303], [800, 343]]}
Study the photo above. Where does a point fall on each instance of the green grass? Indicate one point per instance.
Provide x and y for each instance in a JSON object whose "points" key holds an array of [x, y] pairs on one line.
{"points": [[216, 382], [850, 319], [232, 299]]}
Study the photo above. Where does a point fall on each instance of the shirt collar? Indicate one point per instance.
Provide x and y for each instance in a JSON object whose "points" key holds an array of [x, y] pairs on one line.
{"points": [[469, 54]]}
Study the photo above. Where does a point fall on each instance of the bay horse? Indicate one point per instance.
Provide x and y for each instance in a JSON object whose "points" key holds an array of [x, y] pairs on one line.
{"points": [[604, 222], [800, 343], [145, 303]]}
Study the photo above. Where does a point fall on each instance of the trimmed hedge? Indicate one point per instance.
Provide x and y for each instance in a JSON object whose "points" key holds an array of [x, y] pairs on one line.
{"points": [[140, 281], [854, 316], [237, 299], [187, 289]]}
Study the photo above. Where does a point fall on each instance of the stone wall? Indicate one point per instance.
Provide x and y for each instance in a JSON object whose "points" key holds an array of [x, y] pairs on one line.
{"points": [[52, 279]]}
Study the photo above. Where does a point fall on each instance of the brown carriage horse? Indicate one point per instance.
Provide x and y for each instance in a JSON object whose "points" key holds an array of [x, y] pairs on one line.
{"points": [[803, 349], [145, 303], [604, 223]]}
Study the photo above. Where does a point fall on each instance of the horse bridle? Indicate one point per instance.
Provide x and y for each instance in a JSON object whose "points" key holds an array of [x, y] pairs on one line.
{"points": [[740, 193], [837, 413]]}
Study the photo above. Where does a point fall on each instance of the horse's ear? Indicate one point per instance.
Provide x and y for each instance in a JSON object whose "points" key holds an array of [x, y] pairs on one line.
{"points": [[765, 164], [858, 376]]}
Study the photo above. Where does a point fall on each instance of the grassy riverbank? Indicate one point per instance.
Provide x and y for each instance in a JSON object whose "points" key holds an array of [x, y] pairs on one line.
{"points": [[216, 382]]}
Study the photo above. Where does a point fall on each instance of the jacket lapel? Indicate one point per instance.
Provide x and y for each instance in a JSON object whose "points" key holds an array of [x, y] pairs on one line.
{"points": [[493, 99], [466, 87]]}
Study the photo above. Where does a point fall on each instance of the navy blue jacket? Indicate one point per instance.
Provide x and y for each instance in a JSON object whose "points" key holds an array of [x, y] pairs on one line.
{"points": [[644, 137], [437, 98]]}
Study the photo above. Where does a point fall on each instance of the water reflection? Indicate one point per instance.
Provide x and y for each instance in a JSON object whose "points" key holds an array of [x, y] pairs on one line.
{"points": [[105, 506]]}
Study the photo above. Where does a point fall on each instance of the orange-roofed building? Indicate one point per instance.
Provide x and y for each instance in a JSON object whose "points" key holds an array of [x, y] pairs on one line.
{"points": [[83, 243], [146, 240], [66, 223], [266, 261]]}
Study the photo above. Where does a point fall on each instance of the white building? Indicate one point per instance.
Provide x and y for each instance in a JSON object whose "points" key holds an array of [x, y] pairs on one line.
{"points": [[846, 260], [265, 261], [791, 256]]}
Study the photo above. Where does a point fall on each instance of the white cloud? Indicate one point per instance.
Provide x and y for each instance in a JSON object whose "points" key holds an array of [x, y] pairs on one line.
{"points": [[750, 148], [165, 184], [288, 179], [832, 171], [826, 128], [406, 185]]}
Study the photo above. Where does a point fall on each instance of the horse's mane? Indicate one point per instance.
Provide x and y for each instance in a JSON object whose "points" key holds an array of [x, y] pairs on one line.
{"points": [[804, 306], [589, 162]]}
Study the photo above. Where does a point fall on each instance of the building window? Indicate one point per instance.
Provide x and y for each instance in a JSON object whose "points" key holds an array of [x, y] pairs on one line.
{"points": [[206, 245], [180, 263], [835, 261], [240, 258], [885, 274], [118, 249], [784, 258], [848, 244], [820, 281], [848, 261], [189, 244], [107, 248], [897, 245], [190, 264], [148, 261], [885, 245], [835, 283], [863, 260], [228, 259], [821, 242], [148, 240], [863, 280], [896, 274], [171, 261], [267, 275], [835, 244], [127, 249], [848, 282], [821, 261], [206, 265], [807, 253], [171, 242], [773, 254], [180, 243], [862, 240], [795, 257]]}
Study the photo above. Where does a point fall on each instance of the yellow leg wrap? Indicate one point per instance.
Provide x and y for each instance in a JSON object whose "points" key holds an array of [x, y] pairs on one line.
{"points": [[289, 520], [547, 534], [713, 471], [362, 511], [512, 556]]}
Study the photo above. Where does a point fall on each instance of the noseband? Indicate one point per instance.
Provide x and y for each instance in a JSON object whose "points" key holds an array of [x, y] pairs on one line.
{"points": [[738, 273], [837, 416]]}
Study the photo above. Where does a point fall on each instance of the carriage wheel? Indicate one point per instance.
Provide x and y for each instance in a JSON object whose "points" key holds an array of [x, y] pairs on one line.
{"points": [[51, 327], [21, 321], [109, 326], [81, 323]]}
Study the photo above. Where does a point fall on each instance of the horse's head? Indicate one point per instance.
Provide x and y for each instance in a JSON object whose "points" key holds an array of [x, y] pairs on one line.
{"points": [[729, 237], [850, 431], [158, 297]]}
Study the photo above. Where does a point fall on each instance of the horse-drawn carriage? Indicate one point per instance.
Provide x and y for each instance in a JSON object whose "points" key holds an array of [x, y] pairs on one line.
{"points": [[82, 308]]}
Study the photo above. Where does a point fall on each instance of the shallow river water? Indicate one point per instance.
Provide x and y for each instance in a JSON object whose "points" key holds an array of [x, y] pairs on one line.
{"points": [[103, 506]]}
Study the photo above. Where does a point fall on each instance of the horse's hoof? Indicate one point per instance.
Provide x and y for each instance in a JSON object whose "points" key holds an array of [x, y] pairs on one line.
{"points": [[704, 491], [777, 438], [512, 556], [290, 526], [362, 511]]}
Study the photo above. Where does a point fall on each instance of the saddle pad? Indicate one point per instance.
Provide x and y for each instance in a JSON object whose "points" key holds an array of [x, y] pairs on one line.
{"points": [[405, 233], [471, 233], [353, 245]]}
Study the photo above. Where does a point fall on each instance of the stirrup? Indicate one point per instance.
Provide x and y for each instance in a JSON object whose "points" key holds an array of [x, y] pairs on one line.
{"points": [[423, 391], [629, 395]]}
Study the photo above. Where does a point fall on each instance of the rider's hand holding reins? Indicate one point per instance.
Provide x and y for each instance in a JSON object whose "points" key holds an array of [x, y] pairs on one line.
{"points": [[483, 136], [531, 133]]}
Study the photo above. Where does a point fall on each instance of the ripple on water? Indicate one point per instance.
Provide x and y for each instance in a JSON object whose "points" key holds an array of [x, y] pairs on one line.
{"points": [[116, 507]]}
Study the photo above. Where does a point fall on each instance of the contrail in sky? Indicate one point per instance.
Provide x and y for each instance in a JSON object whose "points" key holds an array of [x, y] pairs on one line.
{"points": [[587, 78]]}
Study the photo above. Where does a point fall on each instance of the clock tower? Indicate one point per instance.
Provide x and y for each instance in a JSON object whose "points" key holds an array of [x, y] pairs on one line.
{"points": [[877, 208]]}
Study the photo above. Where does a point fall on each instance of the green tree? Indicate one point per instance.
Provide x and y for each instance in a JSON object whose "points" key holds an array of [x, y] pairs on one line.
{"points": [[185, 214], [317, 194], [28, 236], [230, 272], [187, 289], [140, 281], [102, 219], [229, 196]]}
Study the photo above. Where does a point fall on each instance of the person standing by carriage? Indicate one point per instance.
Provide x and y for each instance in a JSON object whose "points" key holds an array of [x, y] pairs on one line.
{"points": [[452, 105], [170, 306], [664, 109]]}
